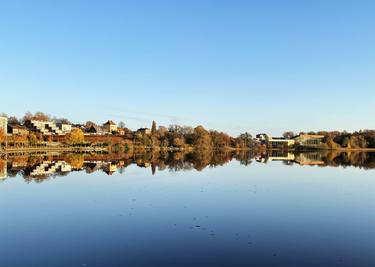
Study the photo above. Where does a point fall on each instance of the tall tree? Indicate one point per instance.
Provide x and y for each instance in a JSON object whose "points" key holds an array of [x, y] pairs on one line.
{"points": [[288, 134], [153, 128], [13, 120], [202, 138], [121, 124]]}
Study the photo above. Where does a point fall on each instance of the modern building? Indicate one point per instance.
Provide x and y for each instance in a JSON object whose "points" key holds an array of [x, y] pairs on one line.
{"points": [[48, 127], [308, 140], [64, 127], [275, 142], [95, 130], [144, 131], [110, 126], [121, 131], [17, 130]]}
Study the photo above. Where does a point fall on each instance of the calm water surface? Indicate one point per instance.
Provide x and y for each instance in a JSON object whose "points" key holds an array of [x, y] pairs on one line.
{"points": [[272, 214]]}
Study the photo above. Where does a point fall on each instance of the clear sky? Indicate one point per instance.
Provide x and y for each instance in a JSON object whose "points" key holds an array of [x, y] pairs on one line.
{"points": [[258, 66]]}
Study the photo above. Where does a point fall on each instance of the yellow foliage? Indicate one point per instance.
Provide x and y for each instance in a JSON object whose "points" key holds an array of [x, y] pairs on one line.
{"points": [[75, 160], [75, 137], [32, 138]]}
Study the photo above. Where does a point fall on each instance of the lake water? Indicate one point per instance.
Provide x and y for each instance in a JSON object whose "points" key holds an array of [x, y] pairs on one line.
{"points": [[179, 210]]}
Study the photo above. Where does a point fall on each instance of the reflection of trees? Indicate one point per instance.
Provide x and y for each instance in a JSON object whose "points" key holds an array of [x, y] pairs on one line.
{"points": [[244, 157], [357, 159], [175, 161], [75, 160]]}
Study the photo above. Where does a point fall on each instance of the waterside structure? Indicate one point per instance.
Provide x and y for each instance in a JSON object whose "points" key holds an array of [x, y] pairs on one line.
{"points": [[301, 140]]}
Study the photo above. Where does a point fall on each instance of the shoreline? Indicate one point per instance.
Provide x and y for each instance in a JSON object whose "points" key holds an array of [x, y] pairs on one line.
{"points": [[168, 149]]}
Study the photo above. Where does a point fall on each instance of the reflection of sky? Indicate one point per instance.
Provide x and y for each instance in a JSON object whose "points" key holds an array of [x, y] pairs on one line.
{"points": [[232, 215], [245, 66]]}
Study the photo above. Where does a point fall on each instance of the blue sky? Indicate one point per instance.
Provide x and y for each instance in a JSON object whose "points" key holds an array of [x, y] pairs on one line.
{"points": [[258, 66]]}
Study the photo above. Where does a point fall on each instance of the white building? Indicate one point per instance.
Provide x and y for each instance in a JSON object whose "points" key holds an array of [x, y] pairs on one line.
{"points": [[49, 127]]}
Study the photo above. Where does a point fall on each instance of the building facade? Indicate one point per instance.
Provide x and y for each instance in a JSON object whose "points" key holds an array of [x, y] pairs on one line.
{"points": [[309, 140], [48, 127], [143, 131], [275, 142], [110, 126], [17, 130]]}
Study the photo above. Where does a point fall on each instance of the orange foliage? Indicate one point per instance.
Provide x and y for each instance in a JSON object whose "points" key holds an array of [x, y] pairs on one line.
{"points": [[2, 136]]}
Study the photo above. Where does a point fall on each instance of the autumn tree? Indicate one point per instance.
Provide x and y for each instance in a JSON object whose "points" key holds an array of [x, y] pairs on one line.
{"points": [[162, 131], [178, 142], [13, 121], [245, 140], [220, 140], [75, 160], [39, 116], [142, 139], [202, 138], [288, 134], [90, 124], [75, 137], [32, 138], [61, 120], [121, 124]]}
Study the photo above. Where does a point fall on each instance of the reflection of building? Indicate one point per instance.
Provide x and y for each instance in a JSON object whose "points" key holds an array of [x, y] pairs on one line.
{"points": [[309, 139], [48, 168], [309, 159], [110, 169], [276, 155], [3, 169]]}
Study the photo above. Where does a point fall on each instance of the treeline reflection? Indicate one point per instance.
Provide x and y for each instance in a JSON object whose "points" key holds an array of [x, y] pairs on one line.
{"points": [[41, 167]]}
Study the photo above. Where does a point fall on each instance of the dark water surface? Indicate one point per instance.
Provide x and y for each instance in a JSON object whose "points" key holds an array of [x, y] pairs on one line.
{"points": [[243, 213]]}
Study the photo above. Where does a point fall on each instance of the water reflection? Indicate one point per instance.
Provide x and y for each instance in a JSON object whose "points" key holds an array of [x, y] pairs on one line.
{"points": [[39, 167]]}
